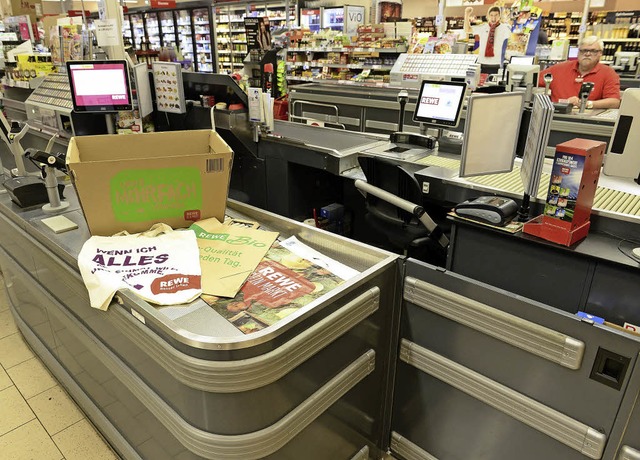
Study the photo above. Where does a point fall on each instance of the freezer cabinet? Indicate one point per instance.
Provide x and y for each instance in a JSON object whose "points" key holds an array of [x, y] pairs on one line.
{"points": [[486, 374], [187, 384]]}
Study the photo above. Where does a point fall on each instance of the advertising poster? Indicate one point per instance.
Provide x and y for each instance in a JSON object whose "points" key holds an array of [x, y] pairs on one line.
{"points": [[258, 33], [167, 78], [388, 10], [564, 186]]}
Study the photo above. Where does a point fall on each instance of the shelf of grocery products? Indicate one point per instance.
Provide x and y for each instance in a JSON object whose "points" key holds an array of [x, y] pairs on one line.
{"points": [[303, 65], [398, 49], [330, 81]]}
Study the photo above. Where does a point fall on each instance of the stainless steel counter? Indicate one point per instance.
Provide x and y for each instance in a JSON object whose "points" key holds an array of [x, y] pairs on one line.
{"points": [[183, 382]]}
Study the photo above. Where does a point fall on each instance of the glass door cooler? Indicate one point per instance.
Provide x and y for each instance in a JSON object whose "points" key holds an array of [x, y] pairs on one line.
{"points": [[204, 49], [126, 30], [153, 30], [185, 35], [168, 28], [137, 27]]}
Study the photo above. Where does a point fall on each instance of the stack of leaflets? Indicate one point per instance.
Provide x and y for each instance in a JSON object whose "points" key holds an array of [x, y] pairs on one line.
{"points": [[289, 277], [537, 138]]}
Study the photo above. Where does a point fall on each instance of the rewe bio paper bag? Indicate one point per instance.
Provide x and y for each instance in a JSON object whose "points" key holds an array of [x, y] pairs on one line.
{"points": [[229, 254]]}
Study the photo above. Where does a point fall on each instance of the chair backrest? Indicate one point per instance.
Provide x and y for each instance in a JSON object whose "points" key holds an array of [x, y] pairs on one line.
{"points": [[396, 180]]}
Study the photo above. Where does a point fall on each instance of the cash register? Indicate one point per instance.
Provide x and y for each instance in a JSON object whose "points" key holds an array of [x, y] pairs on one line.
{"points": [[439, 105]]}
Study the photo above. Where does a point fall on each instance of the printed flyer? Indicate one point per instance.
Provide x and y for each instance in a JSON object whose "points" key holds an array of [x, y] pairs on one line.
{"points": [[283, 282], [564, 186]]}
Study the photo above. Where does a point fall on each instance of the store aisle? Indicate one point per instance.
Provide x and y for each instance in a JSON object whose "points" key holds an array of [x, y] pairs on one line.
{"points": [[39, 420]]}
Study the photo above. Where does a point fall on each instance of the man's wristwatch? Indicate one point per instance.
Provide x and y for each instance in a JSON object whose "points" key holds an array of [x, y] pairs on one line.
{"points": [[589, 104]]}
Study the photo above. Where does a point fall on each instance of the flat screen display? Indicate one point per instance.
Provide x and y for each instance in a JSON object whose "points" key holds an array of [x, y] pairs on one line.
{"points": [[440, 103], [99, 86]]}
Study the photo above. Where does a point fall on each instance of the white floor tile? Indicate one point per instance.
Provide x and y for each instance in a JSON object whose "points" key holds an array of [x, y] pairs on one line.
{"points": [[7, 325], [80, 441], [31, 378], [15, 410], [5, 381], [55, 409], [14, 350], [29, 442]]}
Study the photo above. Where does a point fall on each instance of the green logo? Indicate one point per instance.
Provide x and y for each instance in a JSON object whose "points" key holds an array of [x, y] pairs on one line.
{"points": [[205, 235], [155, 194]]}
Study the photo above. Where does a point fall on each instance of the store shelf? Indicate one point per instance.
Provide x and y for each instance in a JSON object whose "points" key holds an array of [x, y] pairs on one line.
{"points": [[339, 66], [340, 82], [401, 49]]}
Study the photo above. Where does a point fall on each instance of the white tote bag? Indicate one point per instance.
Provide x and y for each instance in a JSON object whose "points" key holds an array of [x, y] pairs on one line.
{"points": [[160, 265]]}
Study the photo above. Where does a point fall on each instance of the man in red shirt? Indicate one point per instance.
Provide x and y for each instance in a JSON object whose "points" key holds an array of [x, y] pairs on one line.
{"points": [[568, 78]]}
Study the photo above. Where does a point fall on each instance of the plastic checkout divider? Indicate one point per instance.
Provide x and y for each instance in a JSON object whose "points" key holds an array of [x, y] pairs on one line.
{"points": [[474, 370]]}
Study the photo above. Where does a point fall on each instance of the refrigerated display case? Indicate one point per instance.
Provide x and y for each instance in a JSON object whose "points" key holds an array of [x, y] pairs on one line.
{"points": [[126, 29], [167, 28], [204, 49], [152, 29], [137, 28], [187, 30], [310, 19], [185, 34]]}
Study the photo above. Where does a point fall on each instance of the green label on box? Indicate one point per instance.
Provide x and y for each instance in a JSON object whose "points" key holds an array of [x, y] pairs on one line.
{"points": [[154, 194]]}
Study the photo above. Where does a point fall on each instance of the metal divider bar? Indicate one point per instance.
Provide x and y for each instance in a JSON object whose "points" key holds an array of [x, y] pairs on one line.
{"points": [[629, 453], [256, 372], [526, 335], [554, 424], [407, 449]]}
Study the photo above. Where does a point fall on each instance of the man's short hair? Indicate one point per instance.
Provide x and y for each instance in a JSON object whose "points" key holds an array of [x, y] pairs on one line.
{"points": [[591, 40], [492, 9]]}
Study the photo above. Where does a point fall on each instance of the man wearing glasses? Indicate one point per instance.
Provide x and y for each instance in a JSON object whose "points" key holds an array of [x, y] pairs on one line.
{"points": [[568, 78]]}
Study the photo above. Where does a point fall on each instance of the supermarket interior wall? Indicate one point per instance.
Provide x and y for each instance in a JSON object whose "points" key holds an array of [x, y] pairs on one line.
{"points": [[422, 8], [410, 9]]}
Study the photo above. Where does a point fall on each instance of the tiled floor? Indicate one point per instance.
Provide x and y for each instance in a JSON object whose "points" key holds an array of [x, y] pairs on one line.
{"points": [[38, 420]]}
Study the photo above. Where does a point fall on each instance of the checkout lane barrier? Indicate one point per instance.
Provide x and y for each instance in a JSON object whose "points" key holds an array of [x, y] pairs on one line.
{"points": [[526, 335], [248, 446], [569, 431]]}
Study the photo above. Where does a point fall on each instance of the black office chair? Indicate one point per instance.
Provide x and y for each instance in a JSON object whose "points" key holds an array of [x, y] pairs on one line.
{"points": [[392, 194]]}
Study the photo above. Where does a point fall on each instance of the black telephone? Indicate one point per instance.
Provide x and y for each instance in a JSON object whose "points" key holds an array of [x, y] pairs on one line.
{"points": [[493, 210]]}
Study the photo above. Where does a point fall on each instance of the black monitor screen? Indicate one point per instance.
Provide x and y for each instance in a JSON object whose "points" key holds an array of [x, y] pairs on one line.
{"points": [[440, 103], [99, 86]]}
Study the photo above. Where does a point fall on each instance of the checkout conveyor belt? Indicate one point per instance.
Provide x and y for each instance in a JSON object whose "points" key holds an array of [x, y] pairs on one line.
{"points": [[607, 198]]}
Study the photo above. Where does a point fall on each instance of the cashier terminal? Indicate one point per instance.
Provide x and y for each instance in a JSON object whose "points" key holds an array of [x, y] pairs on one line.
{"points": [[493, 210]]}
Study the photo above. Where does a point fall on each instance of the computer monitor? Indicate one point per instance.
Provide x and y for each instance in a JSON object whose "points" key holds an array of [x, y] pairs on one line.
{"points": [[440, 103], [99, 86], [522, 60], [622, 158], [626, 61], [491, 129], [573, 53]]}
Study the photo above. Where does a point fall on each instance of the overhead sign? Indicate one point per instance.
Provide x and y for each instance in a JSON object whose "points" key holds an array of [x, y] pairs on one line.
{"points": [[162, 4], [78, 13]]}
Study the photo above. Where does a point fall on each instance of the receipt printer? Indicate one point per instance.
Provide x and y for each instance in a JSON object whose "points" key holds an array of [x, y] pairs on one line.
{"points": [[492, 210]]}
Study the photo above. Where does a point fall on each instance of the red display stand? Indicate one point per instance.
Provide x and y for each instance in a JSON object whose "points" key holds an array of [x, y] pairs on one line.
{"points": [[574, 179]]}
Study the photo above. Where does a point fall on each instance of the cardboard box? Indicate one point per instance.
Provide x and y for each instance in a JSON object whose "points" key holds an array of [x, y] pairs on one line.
{"points": [[132, 182]]}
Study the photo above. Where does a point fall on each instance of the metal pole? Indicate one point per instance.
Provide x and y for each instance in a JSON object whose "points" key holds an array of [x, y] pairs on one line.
{"points": [[585, 18], [440, 19]]}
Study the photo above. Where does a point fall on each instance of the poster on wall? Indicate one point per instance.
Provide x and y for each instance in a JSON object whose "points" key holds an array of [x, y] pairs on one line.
{"points": [[354, 16], [167, 78], [388, 10], [258, 33]]}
